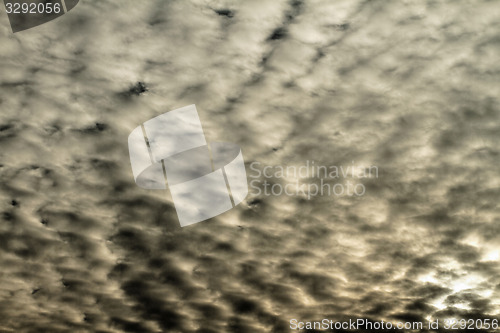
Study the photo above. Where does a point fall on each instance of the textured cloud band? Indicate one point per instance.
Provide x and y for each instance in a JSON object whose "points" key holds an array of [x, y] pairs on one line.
{"points": [[26, 14], [205, 180]]}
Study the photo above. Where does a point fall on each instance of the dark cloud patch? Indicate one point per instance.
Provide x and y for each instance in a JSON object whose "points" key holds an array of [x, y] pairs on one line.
{"points": [[129, 326], [96, 128], [225, 12], [278, 33], [138, 89], [153, 307]]}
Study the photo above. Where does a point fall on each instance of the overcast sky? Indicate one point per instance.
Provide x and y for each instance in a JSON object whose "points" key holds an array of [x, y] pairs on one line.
{"points": [[408, 86]]}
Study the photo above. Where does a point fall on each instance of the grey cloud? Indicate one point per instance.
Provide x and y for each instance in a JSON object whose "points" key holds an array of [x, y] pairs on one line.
{"points": [[410, 87]]}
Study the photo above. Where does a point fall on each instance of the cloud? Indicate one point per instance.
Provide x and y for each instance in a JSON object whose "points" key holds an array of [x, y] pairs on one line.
{"points": [[410, 88]]}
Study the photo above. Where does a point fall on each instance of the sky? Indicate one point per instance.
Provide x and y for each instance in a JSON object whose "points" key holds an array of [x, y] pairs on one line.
{"points": [[410, 87]]}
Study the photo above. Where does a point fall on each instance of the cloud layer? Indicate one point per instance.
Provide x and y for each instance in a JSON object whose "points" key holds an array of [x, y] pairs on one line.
{"points": [[410, 87]]}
